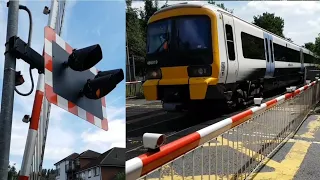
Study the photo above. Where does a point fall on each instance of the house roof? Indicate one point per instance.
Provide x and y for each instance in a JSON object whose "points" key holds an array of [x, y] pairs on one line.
{"points": [[85, 154], [70, 157], [89, 154], [113, 157]]}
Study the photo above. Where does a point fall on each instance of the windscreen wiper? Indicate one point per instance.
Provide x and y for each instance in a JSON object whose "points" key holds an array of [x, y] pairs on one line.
{"points": [[179, 41], [166, 40], [178, 38]]}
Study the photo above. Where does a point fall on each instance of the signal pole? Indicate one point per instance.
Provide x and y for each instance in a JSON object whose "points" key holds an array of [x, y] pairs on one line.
{"points": [[8, 91]]}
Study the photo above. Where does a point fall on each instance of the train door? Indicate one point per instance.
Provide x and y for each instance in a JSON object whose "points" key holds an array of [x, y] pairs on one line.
{"points": [[270, 64], [303, 70], [230, 39], [301, 60]]}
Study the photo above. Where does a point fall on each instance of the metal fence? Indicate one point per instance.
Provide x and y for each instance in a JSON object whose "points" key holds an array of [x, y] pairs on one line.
{"points": [[233, 148], [135, 68], [130, 73], [134, 89]]}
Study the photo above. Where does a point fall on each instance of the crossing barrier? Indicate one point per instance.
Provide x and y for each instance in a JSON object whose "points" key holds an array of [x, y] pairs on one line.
{"points": [[232, 148]]}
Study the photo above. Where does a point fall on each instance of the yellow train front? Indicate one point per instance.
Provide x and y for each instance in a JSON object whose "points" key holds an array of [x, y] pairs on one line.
{"points": [[182, 57]]}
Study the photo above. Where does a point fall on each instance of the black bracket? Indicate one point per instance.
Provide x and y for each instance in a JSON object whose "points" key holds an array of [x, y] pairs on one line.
{"points": [[20, 50], [149, 150]]}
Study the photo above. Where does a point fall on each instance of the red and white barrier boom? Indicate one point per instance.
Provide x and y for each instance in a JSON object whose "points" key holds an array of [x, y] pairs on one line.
{"points": [[36, 139], [146, 163]]}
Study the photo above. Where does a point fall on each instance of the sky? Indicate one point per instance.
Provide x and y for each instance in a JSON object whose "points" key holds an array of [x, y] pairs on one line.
{"points": [[86, 23], [301, 18]]}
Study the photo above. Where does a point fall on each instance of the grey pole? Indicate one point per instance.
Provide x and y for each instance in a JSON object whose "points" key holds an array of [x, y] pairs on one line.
{"points": [[8, 92]]}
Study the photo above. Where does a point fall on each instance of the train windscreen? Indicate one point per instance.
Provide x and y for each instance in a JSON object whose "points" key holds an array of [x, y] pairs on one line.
{"points": [[184, 40]]}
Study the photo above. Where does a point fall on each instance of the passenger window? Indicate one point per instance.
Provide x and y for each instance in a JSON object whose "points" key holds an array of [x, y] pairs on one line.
{"points": [[230, 43], [252, 47]]}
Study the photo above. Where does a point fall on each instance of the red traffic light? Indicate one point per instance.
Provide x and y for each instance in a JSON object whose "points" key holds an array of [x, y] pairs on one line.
{"points": [[85, 58], [102, 84]]}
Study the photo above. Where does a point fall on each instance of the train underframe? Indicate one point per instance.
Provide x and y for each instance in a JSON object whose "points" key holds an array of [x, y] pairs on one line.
{"points": [[225, 96]]}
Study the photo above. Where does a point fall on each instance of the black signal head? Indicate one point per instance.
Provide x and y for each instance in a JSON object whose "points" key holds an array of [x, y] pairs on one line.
{"points": [[85, 58]]}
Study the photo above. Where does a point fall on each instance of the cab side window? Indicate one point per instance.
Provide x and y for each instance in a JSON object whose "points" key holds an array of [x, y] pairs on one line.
{"points": [[230, 43]]}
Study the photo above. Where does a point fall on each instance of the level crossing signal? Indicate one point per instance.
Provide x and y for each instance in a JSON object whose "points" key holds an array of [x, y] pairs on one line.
{"points": [[73, 83]]}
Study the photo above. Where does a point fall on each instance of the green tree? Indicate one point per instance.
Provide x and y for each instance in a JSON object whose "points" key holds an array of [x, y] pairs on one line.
{"points": [[12, 172], [270, 22], [310, 46], [221, 5], [120, 176], [128, 3], [317, 45], [136, 24], [149, 9], [134, 33]]}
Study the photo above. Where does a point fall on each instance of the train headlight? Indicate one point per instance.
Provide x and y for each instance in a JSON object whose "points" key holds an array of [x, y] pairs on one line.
{"points": [[154, 74], [199, 71]]}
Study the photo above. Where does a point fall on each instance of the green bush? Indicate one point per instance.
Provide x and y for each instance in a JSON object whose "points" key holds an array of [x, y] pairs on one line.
{"points": [[120, 176]]}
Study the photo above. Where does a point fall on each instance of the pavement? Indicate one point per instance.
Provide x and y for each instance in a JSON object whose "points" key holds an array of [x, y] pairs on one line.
{"points": [[139, 114], [141, 107], [299, 158], [134, 102]]}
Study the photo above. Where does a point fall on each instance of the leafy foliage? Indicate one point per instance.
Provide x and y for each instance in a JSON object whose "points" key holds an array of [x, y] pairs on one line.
{"points": [[314, 47], [221, 5], [46, 174], [136, 28], [12, 173], [120, 176], [317, 45], [310, 46], [270, 22], [134, 32], [149, 9]]}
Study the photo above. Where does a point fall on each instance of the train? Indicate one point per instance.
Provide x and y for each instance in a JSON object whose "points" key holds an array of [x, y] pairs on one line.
{"points": [[199, 55]]}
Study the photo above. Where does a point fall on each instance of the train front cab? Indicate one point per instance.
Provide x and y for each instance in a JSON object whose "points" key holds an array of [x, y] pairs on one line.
{"points": [[178, 75]]}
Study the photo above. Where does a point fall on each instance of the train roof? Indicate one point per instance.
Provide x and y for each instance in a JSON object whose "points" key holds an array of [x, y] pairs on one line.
{"points": [[217, 8]]}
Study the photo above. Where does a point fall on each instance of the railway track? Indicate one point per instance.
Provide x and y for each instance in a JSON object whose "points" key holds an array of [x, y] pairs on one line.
{"points": [[174, 126]]}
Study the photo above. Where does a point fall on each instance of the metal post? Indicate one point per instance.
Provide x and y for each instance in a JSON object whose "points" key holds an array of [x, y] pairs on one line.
{"points": [[128, 58], [8, 92], [134, 69]]}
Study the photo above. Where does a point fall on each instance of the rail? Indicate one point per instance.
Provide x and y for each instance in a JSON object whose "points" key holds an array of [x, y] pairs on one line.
{"points": [[233, 148], [134, 89]]}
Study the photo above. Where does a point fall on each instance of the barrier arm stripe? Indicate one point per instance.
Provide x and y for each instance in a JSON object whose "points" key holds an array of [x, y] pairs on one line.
{"points": [[145, 163], [33, 130], [133, 82]]}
